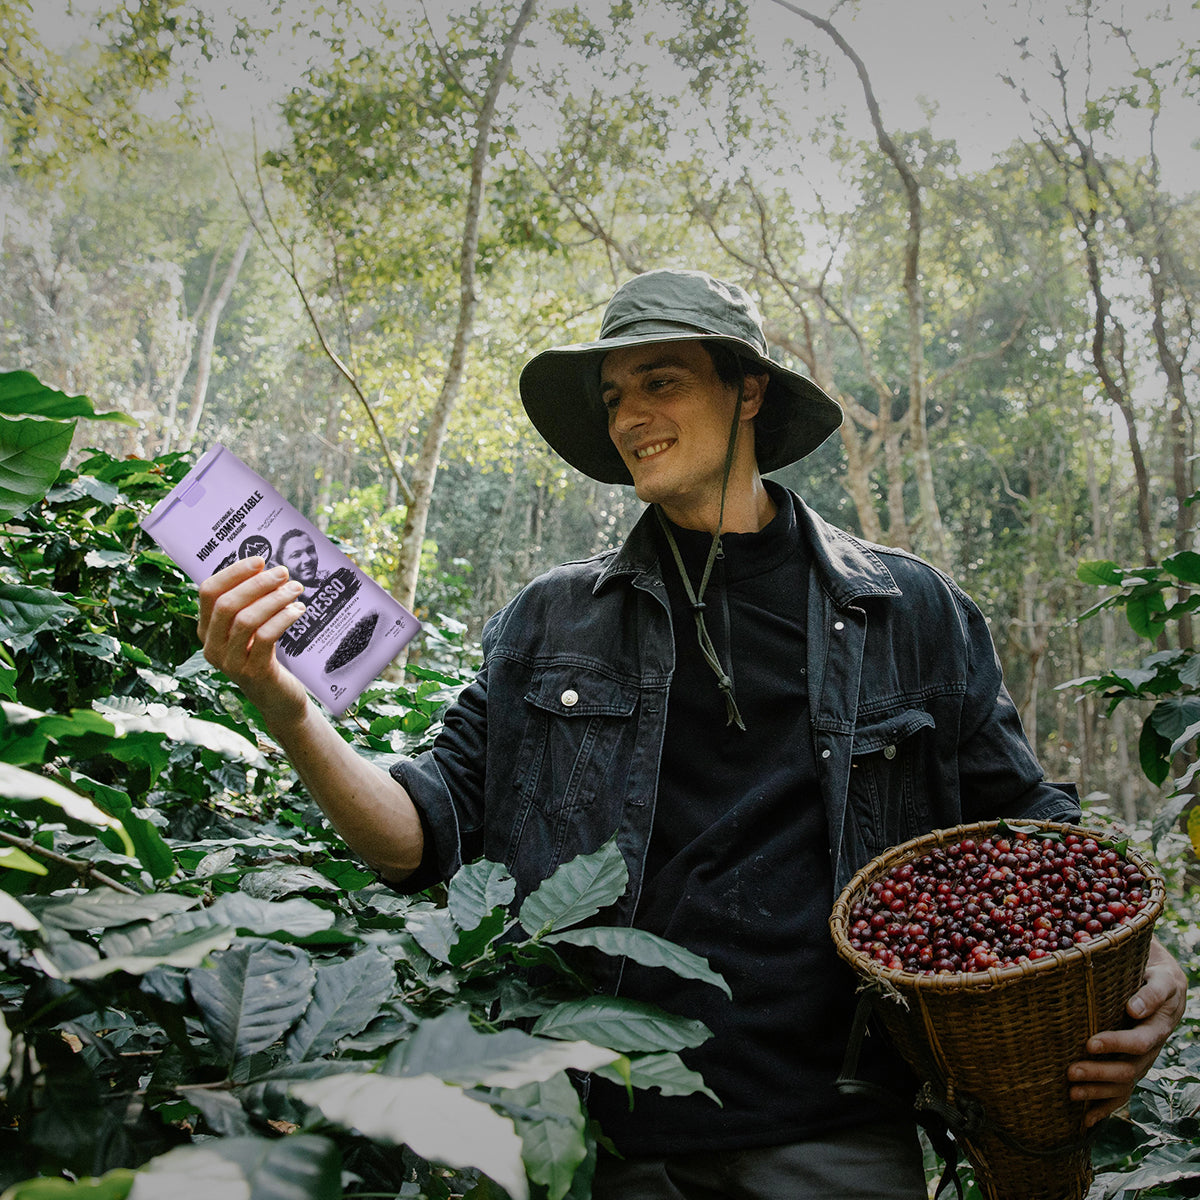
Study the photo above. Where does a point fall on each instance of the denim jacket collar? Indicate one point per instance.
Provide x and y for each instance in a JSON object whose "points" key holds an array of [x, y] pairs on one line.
{"points": [[848, 569]]}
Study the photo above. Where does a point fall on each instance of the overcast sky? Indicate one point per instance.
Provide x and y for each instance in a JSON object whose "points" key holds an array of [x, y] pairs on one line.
{"points": [[944, 55]]}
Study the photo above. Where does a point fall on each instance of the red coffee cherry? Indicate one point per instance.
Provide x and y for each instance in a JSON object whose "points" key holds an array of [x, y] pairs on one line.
{"points": [[995, 901]]}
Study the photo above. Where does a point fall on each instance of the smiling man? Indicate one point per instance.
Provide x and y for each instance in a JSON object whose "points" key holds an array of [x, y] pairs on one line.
{"points": [[752, 702]]}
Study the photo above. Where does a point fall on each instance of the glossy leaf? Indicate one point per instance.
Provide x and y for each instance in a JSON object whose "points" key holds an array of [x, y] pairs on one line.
{"points": [[114, 1185], [17, 785], [27, 611], [252, 996], [551, 1124], [576, 891], [434, 1119], [31, 455], [626, 1025], [478, 889], [347, 996], [645, 948], [23, 394], [450, 1048], [666, 1072]]}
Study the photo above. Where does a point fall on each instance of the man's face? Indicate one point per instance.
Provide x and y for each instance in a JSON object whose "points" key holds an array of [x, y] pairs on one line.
{"points": [[299, 555], [669, 416]]}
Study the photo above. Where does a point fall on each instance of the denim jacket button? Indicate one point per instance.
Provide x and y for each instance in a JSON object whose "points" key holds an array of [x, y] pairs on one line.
{"points": [[839, 625], [826, 753], [889, 752], [569, 698]]}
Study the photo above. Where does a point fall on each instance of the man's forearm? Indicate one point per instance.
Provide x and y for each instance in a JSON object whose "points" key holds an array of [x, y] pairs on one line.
{"points": [[371, 811]]}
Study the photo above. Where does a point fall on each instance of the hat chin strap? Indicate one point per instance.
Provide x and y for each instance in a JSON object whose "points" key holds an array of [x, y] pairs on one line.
{"points": [[696, 598]]}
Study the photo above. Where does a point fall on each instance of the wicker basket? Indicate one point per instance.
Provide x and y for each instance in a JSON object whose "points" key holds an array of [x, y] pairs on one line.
{"points": [[992, 1048]]}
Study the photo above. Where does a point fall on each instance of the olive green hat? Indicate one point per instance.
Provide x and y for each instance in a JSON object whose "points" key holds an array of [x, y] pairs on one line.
{"points": [[560, 388]]}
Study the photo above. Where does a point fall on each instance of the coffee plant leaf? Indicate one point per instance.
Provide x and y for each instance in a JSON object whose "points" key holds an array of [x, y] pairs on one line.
{"points": [[15, 913], [550, 1121], [1099, 572], [12, 858], [23, 394], [576, 890], [26, 611], [31, 454], [252, 995], [645, 948], [666, 1071], [433, 929], [1165, 1164], [105, 909], [347, 996], [189, 949], [114, 1185], [450, 1048], [20, 786], [622, 1024], [476, 890], [435, 1120], [177, 725], [1185, 565]]}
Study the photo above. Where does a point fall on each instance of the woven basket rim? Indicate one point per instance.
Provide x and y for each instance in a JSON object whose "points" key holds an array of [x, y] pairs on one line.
{"points": [[893, 980]]}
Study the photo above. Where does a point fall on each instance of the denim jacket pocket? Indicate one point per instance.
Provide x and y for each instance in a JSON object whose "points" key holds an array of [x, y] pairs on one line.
{"points": [[886, 799], [576, 718]]}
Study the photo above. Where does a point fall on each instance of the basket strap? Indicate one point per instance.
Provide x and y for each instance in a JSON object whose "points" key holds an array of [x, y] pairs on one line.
{"points": [[966, 1117], [931, 1121]]}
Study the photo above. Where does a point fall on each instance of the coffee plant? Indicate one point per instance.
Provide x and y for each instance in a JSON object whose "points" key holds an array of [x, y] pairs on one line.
{"points": [[202, 994]]}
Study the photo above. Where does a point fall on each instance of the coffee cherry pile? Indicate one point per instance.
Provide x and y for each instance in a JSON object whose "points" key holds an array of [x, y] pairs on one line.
{"points": [[993, 901]]}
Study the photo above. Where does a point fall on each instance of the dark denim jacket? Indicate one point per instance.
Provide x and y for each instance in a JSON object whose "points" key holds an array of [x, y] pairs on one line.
{"points": [[555, 747]]}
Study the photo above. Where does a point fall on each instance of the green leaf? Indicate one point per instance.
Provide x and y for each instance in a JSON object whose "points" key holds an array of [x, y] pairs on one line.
{"points": [[22, 394], [152, 852], [296, 917], [26, 611], [1141, 608], [14, 913], [115, 1185], [1185, 565], [450, 1048], [1167, 818], [434, 1119], [434, 931], [576, 891], [300, 1167], [152, 950], [622, 1024], [476, 890], [347, 996], [14, 859], [1099, 573], [104, 909], [252, 996], [551, 1124], [1173, 717], [31, 456], [648, 949], [1153, 753], [666, 1072], [19, 786], [177, 725]]}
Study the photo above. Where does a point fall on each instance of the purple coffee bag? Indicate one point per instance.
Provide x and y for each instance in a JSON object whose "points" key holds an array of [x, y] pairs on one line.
{"points": [[350, 628]]}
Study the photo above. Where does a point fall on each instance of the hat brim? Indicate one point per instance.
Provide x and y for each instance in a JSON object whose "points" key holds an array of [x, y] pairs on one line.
{"points": [[560, 389]]}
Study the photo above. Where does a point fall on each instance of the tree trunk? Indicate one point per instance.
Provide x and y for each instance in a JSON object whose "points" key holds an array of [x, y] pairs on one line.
{"points": [[425, 472], [204, 354]]}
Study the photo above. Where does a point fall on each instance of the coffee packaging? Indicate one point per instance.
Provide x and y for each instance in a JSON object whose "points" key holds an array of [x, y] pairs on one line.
{"points": [[350, 628]]}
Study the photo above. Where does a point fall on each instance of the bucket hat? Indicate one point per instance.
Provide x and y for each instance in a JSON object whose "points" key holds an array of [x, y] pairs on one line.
{"points": [[560, 387]]}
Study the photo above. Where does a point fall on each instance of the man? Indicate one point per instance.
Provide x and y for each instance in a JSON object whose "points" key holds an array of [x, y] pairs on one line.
{"points": [[753, 702], [298, 553]]}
